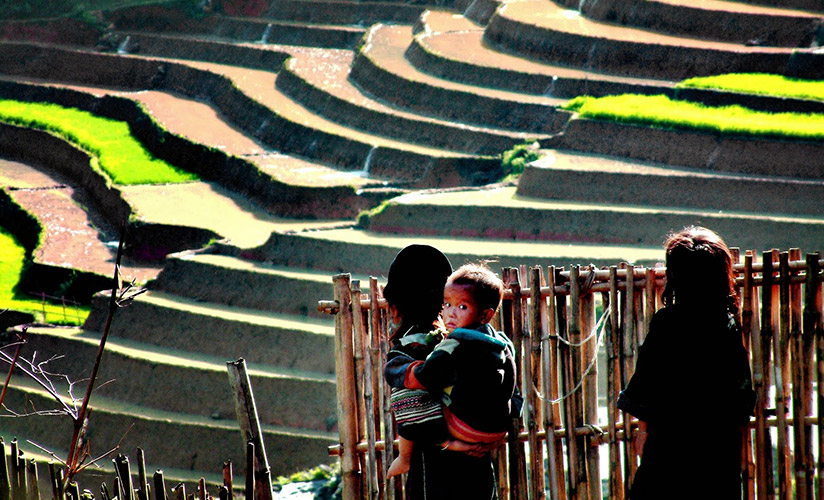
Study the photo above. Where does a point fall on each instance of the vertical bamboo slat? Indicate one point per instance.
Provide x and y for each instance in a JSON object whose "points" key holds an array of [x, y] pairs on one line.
{"points": [[363, 391], [589, 353], [532, 384], [766, 480], [33, 477], [578, 457], [160, 486], [781, 377], [376, 357], [549, 373], [814, 334], [613, 343], [802, 392], [747, 302], [628, 366], [517, 456], [347, 405]]}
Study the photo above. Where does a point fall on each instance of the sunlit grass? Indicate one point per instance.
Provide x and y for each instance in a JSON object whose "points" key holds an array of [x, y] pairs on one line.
{"points": [[760, 83], [661, 111], [12, 257], [122, 157]]}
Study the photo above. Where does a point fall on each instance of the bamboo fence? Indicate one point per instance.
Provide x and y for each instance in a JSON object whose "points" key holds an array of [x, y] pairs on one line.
{"points": [[576, 334], [20, 480]]}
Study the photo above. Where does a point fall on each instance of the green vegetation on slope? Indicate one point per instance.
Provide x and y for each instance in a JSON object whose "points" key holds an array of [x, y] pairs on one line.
{"points": [[122, 157], [12, 258], [661, 111], [513, 160], [760, 83]]}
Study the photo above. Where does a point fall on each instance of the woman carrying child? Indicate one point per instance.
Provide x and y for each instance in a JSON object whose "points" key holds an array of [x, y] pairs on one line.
{"points": [[453, 391], [692, 360]]}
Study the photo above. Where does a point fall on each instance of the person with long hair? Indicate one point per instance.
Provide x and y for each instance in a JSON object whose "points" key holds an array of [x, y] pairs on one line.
{"points": [[692, 385]]}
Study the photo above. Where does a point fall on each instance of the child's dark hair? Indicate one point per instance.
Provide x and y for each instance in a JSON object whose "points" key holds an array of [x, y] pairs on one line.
{"points": [[699, 268], [487, 288]]}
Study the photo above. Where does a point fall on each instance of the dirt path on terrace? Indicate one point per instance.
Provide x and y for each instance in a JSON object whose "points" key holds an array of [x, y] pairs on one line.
{"points": [[74, 236]]}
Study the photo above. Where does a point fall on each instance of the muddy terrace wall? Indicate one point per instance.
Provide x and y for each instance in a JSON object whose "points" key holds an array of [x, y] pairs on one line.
{"points": [[211, 164]]}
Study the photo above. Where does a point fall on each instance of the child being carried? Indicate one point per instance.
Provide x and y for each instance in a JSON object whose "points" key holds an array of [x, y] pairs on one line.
{"points": [[463, 394]]}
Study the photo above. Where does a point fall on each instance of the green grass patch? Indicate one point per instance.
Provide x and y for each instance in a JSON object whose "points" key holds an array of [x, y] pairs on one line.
{"points": [[514, 160], [661, 111], [12, 260], [122, 157], [760, 83]]}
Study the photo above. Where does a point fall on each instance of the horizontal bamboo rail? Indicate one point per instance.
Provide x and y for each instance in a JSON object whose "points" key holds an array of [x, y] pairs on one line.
{"points": [[562, 345]]}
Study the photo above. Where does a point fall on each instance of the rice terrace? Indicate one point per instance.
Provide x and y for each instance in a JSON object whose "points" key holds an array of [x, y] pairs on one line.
{"points": [[254, 166]]}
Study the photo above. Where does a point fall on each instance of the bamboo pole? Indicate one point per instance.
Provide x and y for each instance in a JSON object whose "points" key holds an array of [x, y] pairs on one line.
{"points": [[392, 488], [201, 489], [577, 444], [247, 416], [227, 478], [801, 392], [782, 382], [74, 490], [5, 483], [160, 485], [765, 483], [142, 481], [613, 343], [250, 471], [517, 456], [180, 489], [363, 392], [549, 375], [18, 483], [589, 353], [747, 328], [34, 485], [531, 368], [376, 359], [628, 367], [121, 467], [347, 405], [814, 334]]}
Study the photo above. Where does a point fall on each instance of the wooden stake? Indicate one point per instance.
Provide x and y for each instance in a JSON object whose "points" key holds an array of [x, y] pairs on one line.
{"points": [[34, 485], [517, 456], [627, 369], [748, 320], [227, 478], [549, 374], [364, 388], [782, 379], [143, 492], [347, 404], [247, 416], [160, 485], [531, 369], [765, 483], [613, 343]]}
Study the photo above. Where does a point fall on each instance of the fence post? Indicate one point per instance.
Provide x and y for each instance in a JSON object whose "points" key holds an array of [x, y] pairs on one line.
{"points": [[517, 457], [814, 338], [613, 348], [249, 422], [531, 364], [549, 372], [781, 367], [347, 404]]}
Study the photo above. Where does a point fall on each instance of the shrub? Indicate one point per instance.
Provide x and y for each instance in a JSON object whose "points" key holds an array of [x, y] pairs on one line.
{"points": [[514, 160]]}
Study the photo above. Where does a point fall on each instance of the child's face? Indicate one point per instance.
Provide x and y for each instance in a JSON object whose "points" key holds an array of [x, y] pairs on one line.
{"points": [[459, 307]]}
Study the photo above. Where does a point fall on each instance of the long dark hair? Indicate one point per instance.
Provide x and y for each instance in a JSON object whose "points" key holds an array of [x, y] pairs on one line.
{"points": [[699, 270]]}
